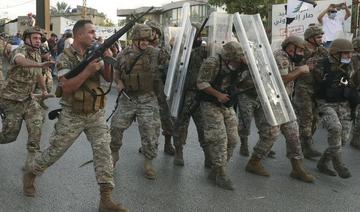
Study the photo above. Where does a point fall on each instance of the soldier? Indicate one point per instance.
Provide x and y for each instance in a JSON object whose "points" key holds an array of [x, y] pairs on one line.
{"points": [[81, 113], [190, 107], [304, 100], [216, 80], [16, 96], [46, 72], [5, 49], [292, 52], [334, 95], [136, 74], [165, 118], [355, 134]]}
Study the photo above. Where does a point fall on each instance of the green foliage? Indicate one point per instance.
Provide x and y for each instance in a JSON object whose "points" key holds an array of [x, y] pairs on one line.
{"points": [[61, 7]]}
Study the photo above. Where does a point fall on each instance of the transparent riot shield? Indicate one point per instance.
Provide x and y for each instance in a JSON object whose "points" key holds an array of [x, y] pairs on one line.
{"points": [[179, 60], [220, 31], [264, 70]]}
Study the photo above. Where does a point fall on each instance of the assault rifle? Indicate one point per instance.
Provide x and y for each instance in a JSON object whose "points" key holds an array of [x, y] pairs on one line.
{"points": [[99, 51]]}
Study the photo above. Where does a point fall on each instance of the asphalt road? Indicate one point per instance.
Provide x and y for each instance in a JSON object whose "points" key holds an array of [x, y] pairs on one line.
{"points": [[66, 187]]}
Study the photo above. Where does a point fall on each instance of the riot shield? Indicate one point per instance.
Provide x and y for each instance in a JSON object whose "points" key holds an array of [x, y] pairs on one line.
{"points": [[220, 31], [179, 60], [264, 70]]}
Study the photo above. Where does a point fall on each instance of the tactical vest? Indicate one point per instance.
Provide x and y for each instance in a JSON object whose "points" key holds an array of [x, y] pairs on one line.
{"points": [[21, 80], [139, 70], [219, 84], [90, 97], [336, 85]]}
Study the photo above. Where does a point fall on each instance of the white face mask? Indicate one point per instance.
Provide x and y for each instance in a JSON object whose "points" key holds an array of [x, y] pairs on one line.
{"points": [[332, 15], [345, 60]]}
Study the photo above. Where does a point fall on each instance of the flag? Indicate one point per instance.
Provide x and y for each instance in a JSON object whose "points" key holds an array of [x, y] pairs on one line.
{"points": [[294, 7]]}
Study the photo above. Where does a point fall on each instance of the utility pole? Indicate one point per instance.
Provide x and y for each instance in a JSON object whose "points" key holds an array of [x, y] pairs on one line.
{"points": [[83, 12], [43, 14]]}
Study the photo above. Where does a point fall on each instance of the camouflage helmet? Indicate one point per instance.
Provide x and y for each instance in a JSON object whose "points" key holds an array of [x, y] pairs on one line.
{"points": [[312, 31], [356, 42], [32, 30], [232, 51], [155, 26], [141, 31], [297, 41], [340, 45]]}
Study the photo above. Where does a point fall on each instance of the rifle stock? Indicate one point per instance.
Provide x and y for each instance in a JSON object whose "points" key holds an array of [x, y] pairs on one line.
{"points": [[101, 49]]}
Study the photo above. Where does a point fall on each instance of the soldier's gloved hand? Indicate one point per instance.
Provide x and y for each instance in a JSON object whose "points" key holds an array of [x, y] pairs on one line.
{"points": [[222, 97]]}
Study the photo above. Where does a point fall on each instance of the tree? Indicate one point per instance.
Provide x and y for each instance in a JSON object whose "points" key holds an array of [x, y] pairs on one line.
{"points": [[107, 23], [61, 7], [243, 6], [246, 6]]}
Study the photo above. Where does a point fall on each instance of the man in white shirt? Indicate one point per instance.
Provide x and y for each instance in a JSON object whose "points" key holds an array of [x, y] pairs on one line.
{"points": [[333, 24]]}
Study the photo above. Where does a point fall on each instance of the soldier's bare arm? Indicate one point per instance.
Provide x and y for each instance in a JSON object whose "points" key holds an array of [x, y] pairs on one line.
{"points": [[291, 76], [107, 70], [70, 86], [42, 83], [22, 61]]}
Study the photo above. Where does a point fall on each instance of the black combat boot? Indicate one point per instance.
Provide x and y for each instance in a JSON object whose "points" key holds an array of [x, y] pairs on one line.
{"points": [[323, 164], [339, 166], [179, 159], [106, 202], [207, 155], [355, 141], [221, 178], [244, 148], [308, 150], [168, 147]]}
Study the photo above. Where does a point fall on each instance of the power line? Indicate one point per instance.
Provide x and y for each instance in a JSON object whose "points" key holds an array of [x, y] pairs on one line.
{"points": [[16, 5]]}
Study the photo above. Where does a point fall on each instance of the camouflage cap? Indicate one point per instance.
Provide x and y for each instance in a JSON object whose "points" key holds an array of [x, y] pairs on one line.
{"points": [[155, 26], [340, 45], [356, 42], [312, 31], [33, 30], [232, 51], [297, 41], [141, 31]]}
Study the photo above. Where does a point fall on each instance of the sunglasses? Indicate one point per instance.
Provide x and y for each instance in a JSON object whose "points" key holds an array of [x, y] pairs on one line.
{"points": [[333, 11]]}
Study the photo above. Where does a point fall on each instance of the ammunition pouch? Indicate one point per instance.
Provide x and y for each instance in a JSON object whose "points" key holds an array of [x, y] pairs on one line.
{"points": [[139, 82], [88, 100]]}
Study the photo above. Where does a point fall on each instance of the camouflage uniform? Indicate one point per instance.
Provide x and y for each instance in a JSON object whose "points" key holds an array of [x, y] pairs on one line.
{"points": [[355, 133], [17, 103], [190, 108], [249, 107], [304, 100], [76, 118], [4, 54], [137, 70], [220, 122], [334, 108], [165, 117], [290, 130]]}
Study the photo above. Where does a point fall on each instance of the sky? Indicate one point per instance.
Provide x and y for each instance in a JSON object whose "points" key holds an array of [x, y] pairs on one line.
{"points": [[13, 8]]}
